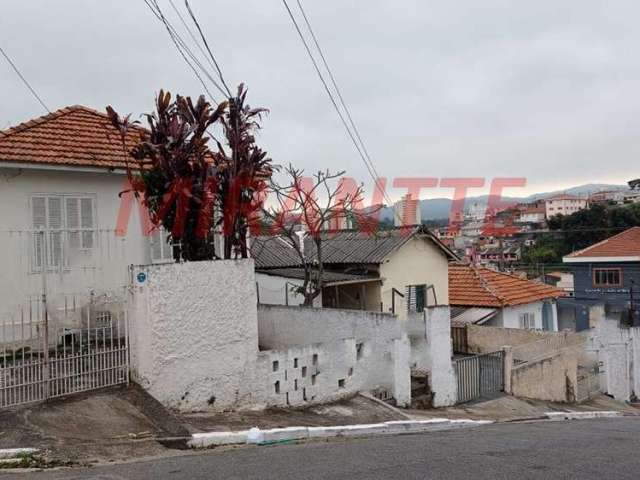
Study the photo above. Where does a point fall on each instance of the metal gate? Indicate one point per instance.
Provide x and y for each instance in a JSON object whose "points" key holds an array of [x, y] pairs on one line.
{"points": [[479, 376], [43, 356]]}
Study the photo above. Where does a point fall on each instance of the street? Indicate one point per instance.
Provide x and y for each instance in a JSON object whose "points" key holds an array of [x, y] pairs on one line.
{"points": [[587, 449]]}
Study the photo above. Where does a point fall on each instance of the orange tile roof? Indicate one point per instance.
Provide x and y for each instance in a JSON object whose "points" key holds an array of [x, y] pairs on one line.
{"points": [[482, 287], [71, 136], [625, 244]]}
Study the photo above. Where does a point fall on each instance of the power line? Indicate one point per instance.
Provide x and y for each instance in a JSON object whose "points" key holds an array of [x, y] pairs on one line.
{"points": [[183, 49], [371, 171], [24, 80], [335, 85]]}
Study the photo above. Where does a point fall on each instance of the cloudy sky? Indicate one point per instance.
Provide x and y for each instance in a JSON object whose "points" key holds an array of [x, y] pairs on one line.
{"points": [[546, 90]]}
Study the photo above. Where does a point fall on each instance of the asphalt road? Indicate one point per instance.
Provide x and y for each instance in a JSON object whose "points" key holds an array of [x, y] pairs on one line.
{"points": [[585, 449]]}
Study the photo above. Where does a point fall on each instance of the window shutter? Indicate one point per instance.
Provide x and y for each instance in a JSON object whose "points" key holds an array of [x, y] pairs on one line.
{"points": [[55, 224], [411, 297], [86, 222], [73, 222], [39, 222]]}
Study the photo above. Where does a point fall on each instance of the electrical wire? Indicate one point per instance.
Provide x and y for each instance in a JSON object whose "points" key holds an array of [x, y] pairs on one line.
{"points": [[371, 170], [24, 80]]}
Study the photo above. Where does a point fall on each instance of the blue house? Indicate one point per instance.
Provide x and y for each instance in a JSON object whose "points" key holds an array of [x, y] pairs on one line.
{"points": [[607, 272]]}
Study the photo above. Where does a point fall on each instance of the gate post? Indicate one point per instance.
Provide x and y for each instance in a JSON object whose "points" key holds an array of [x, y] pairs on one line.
{"points": [[507, 359]]}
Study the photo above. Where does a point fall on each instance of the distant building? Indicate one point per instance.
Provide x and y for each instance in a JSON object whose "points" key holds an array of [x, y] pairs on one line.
{"points": [[564, 204], [407, 212], [532, 213], [475, 211], [608, 196]]}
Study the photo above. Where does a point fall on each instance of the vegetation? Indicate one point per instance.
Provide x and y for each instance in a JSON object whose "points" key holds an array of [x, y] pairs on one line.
{"points": [[183, 182], [580, 230]]}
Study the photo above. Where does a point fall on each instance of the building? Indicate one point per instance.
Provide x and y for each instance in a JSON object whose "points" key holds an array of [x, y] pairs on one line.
{"points": [[407, 212], [532, 213], [483, 296], [608, 196], [499, 255], [563, 204], [62, 176], [607, 272], [397, 270]]}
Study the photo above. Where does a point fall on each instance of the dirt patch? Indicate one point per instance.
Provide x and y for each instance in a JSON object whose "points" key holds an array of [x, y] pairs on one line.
{"points": [[109, 425], [356, 410]]}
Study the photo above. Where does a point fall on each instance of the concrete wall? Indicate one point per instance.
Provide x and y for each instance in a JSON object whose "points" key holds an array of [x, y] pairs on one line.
{"points": [[439, 354], [275, 290], [418, 262], [553, 378], [371, 346], [484, 339], [617, 349], [194, 334]]}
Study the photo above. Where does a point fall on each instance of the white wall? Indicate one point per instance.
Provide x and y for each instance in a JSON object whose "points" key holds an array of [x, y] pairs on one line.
{"points": [[276, 290], [104, 269], [383, 361], [442, 376], [509, 317], [194, 334]]}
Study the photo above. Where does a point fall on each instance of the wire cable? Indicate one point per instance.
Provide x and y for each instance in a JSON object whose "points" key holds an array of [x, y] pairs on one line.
{"points": [[24, 80]]}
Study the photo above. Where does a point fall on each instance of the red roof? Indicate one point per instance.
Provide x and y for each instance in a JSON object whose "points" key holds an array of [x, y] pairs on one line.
{"points": [[71, 136], [625, 244], [482, 287]]}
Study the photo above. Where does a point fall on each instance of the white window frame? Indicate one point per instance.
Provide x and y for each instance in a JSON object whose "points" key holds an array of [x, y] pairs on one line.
{"points": [[63, 230], [527, 320], [159, 235]]}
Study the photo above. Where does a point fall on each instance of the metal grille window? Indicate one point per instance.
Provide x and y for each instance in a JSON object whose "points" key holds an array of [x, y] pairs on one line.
{"points": [[528, 320], [607, 277], [416, 296], [61, 223]]}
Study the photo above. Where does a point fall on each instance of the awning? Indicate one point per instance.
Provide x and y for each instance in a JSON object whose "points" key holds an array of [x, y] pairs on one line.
{"points": [[475, 315]]}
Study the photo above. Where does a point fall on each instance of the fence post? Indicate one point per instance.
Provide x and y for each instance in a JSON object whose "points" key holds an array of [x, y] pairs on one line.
{"points": [[507, 359]]}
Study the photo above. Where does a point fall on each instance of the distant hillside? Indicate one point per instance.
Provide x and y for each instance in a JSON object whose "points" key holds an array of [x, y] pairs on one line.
{"points": [[436, 208]]}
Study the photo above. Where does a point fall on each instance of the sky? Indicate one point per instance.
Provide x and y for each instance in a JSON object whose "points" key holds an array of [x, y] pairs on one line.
{"points": [[545, 90]]}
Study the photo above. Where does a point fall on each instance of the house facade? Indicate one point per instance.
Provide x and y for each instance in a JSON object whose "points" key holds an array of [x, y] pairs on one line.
{"points": [[397, 270], [483, 296], [607, 272], [61, 177]]}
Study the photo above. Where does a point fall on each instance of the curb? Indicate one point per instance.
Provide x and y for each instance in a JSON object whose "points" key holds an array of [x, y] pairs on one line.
{"points": [[581, 415], [10, 453], [289, 434]]}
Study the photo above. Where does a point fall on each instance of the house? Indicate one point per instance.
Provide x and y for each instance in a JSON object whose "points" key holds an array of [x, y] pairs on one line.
{"points": [[532, 213], [484, 296], [61, 177], [496, 254], [563, 204], [607, 272], [395, 270]]}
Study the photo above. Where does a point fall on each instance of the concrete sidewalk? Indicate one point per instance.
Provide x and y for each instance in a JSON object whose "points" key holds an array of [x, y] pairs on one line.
{"points": [[508, 409]]}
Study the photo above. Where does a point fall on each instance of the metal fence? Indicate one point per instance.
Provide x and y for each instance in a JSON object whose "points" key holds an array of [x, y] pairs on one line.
{"points": [[479, 376], [44, 356]]}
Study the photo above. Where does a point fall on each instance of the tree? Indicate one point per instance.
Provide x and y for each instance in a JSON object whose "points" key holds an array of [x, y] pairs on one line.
{"points": [[183, 183], [309, 208]]}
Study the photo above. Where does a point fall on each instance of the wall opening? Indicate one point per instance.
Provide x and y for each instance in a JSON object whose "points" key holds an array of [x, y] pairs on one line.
{"points": [[275, 365], [277, 386], [359, 350], [341, 383], [303, 372]]}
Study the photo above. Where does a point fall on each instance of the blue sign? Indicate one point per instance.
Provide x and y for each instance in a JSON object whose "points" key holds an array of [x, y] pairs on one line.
{"points": [[141, 277]]}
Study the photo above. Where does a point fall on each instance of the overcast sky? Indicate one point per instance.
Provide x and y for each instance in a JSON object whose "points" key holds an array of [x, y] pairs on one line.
{"points": [[548, 90]]}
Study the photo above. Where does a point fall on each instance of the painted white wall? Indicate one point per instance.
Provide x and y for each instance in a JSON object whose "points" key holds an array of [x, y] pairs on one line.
{"points": [[273, 291], [383, 362], [442, 376], [194, 328], [509, 317], [418, 262], [104, 269]]}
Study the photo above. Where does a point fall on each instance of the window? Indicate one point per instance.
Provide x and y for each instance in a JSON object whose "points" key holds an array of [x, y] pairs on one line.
{"points": [[161, 248], [607, 277], [528, 320], [63, 225], [416, 297]]}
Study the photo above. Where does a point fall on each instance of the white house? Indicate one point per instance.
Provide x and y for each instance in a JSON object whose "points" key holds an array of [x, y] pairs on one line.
{"points": [[396, 270], [564, 205], [484, 296], [61, 176]]}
